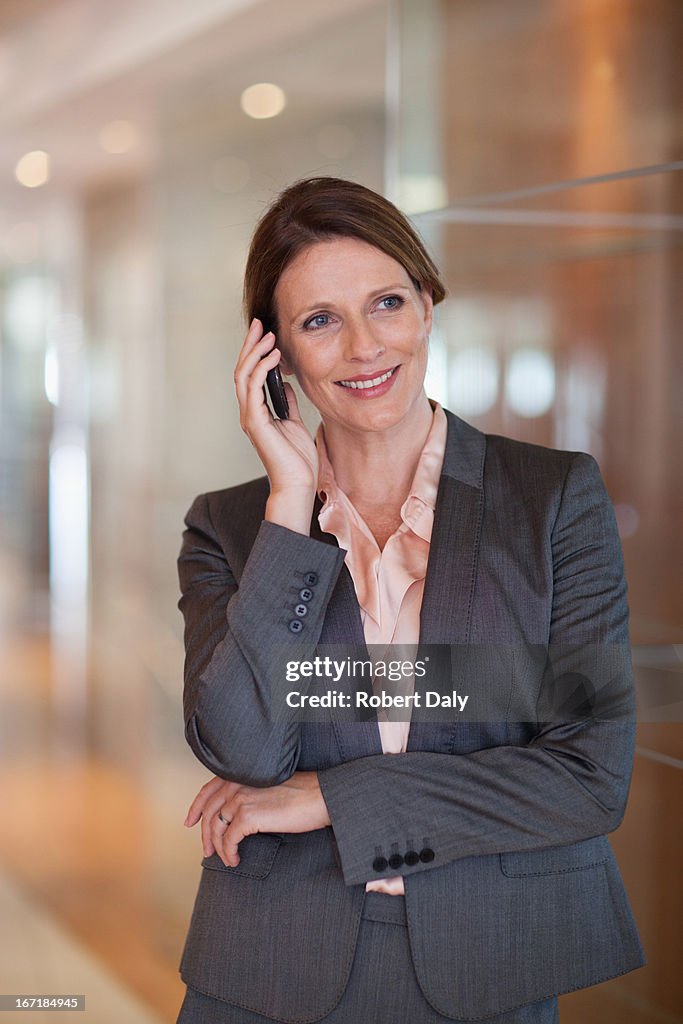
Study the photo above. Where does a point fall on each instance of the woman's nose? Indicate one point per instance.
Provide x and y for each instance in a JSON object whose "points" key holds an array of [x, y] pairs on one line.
{"points": [[361, 344]]}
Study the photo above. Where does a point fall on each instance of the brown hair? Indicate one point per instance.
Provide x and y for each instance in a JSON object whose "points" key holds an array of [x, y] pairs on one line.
{"points": [[319, 209]]}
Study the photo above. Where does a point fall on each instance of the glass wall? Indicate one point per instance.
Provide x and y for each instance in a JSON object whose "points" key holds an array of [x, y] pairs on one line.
{"points": [[538, 146]]}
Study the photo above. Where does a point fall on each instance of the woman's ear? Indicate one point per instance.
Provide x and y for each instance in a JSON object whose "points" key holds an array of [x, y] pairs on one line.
{"points": [[428, 303], [284, 364]]}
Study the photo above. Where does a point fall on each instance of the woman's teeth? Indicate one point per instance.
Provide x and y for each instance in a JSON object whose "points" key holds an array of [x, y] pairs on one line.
{"points": [[366, 383]]}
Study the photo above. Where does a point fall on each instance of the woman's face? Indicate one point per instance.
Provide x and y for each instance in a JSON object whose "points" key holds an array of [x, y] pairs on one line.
{"points": [[354, 330]]}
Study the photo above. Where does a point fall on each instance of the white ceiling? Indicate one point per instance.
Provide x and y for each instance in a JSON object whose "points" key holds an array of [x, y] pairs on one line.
{"points": [[69, 66]]}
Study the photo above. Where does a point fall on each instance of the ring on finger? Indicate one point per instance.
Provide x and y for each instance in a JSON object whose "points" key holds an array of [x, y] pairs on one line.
{"points": [[224, 820]]}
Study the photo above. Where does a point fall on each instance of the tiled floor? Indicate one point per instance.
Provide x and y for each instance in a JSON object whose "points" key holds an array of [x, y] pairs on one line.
{"points": [[40, 956], [118, 877], [95, 848]]}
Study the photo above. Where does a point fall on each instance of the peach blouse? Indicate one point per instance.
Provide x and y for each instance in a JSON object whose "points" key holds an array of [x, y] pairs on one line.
{"points": [[389, 583]]}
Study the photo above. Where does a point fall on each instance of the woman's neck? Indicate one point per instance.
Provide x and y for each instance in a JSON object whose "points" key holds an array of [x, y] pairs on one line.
{"points": [[377, 467]]}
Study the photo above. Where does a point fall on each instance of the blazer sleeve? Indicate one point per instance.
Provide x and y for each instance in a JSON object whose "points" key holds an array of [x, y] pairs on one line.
{"points": [[569, 783], [235, 636]]}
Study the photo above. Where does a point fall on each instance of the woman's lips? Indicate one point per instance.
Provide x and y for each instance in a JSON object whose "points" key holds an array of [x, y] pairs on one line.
{"points": [[365, 386]]}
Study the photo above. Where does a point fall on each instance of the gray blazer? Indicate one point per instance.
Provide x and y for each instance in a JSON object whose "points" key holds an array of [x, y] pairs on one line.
{"points": [[498, 826]]}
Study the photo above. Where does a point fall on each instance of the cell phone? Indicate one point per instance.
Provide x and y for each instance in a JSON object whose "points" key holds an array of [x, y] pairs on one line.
{"points": [[275, 388]]}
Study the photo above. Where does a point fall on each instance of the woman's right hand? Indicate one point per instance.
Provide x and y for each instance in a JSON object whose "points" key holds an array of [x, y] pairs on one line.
{"points": [[285, 447]]}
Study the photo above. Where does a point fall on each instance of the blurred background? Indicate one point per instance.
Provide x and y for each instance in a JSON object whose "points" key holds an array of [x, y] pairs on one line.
{"points": [[538, 146]]}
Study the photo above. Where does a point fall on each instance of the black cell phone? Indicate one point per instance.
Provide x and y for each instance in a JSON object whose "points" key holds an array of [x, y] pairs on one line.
{"points": [[275, 388]]}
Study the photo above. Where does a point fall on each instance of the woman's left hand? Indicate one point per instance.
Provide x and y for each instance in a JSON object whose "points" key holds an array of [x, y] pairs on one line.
{"points": [[296, 805]]}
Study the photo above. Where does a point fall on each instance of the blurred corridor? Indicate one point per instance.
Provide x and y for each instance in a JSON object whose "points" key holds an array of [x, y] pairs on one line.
{"points": [[538, 145]]}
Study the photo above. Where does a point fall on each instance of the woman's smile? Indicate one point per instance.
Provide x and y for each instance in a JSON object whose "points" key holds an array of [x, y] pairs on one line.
{"points": [[370, 385]]}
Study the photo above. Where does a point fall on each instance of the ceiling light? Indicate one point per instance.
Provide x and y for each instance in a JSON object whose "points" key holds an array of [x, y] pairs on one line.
{"points": [[33, 169], [263, 100]]}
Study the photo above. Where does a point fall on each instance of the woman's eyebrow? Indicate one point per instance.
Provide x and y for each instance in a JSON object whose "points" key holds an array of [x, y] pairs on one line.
{"points": [[370, 295]]}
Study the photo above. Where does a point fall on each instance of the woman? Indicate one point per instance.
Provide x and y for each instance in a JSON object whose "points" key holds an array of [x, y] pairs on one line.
{"points": [[468, 876]]}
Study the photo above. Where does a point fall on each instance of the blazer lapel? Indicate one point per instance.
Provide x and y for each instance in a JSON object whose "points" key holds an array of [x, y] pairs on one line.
{"points": [[449, 585], [451, 568], [446, 602]]}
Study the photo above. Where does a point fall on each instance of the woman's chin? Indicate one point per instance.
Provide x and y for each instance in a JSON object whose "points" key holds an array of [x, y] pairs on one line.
{"points": [[374, 415]]}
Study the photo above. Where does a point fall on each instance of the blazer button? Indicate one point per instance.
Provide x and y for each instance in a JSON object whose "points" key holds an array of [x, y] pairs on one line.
{"points": [[412, 857], [426, 854], [380, 864], [306, 594], [295, 626], [310, 579], [301, 610], [396, 860]]}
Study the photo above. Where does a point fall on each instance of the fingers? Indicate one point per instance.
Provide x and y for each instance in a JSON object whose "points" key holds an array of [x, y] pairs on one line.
{"points": [[231, 838], [224, 837], [250, 364], [255, 400], [214, 795], [212, 826], [216, 831], [253, 338], [227, 832], [197, 806]]}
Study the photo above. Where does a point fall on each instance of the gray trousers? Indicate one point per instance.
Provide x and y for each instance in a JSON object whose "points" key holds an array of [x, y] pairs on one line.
{"points": [[382, 988]]}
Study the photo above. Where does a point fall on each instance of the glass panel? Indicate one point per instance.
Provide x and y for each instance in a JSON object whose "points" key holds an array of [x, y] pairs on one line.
{"points": [[525, 93], [539, 161]]}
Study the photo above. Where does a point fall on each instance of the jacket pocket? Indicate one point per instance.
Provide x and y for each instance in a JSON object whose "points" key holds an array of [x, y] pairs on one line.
{"points": [[257, 855], [556, 860]]}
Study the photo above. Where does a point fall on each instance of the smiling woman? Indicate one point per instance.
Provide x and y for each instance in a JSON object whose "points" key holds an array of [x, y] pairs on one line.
{"points": [[340, 885], [364, 345]]}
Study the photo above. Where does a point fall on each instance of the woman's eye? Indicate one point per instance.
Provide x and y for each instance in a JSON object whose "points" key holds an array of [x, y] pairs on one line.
{"points": [[391, 302], [319, 320]]}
